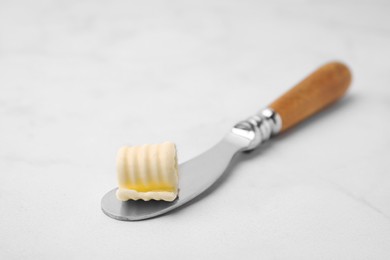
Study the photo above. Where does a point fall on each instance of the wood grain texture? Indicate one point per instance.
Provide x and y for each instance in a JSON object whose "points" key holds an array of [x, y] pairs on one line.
{"points": [[320, 89]]}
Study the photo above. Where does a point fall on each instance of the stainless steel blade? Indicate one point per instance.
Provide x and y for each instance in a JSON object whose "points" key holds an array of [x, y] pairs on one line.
{"points": [[200, 173], [195, 176]]}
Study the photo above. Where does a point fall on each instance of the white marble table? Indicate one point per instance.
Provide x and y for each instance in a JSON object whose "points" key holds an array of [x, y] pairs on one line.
{"points": [[79, 79]]}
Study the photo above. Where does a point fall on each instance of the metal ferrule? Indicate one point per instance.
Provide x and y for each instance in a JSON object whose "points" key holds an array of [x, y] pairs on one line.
{"points": [[259, 128]]}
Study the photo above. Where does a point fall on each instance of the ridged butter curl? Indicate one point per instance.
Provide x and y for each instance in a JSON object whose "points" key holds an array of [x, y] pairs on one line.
{"points": [[147, 172]]}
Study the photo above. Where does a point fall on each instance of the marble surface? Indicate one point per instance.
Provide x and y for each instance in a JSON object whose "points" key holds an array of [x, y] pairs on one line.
{"points": [[79, 79]]}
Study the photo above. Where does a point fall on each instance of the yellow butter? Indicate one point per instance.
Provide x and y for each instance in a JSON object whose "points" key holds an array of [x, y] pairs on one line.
{"points": [[147, 172]]}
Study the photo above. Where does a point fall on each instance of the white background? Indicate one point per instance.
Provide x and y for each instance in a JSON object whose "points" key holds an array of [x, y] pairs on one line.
{"points": [[79, 79]]}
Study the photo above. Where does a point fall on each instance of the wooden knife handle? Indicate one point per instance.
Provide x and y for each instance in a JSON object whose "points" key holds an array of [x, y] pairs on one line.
{"points": [[320, 89]]}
